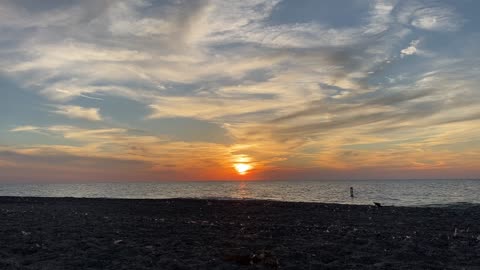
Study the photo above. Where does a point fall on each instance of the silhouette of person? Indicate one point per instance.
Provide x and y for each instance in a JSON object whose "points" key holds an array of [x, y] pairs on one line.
{"points": [[351, 192]]}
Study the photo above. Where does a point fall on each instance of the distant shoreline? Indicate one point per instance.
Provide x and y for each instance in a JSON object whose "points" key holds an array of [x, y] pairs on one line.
{"points": [[87, 233]]}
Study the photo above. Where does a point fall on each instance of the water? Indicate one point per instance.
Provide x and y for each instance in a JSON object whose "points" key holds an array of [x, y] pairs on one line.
{"points": [[400, 193]]}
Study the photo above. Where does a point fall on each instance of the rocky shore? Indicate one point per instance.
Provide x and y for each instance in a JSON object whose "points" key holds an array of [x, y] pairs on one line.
{"points": [[68, 233]]}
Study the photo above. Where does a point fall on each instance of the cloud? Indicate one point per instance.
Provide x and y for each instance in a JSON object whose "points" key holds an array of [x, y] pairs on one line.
{"points": [[410, 50], [124, 20], [71, 52], [62, 166], [291, 94], [24, 128], [436, 19], [92, 150], [430, 16], [78, 112]]}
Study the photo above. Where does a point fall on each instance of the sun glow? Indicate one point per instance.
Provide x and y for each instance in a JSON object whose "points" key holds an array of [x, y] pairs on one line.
{"points": [[242, 168]]}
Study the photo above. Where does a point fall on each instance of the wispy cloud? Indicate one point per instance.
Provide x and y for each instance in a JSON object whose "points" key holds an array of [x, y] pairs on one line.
{"points": [[152, 157], [436, 19], [429, 15], [71, 111], [293, 94], [24, 128]]}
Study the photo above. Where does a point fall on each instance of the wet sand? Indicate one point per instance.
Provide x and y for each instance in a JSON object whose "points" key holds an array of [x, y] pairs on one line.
{"points": [[67, 233]]}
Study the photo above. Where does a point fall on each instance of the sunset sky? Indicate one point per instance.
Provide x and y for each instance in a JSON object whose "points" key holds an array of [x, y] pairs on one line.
{"points": [[139, 90]]}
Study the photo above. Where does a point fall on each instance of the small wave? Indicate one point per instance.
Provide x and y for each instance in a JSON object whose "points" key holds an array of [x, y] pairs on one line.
{"points": [[234, 198], [216, 198], [219, 198], [454, 205]]}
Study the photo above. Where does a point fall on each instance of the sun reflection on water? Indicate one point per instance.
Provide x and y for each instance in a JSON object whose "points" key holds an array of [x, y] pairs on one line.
{"points": [[241, 191]]}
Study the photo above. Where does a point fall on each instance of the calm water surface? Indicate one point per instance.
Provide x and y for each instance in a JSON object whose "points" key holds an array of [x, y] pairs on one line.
{"points": [[401, 192]]}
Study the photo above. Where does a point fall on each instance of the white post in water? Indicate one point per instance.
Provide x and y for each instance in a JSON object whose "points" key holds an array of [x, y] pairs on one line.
{"points": [[351, 192]]}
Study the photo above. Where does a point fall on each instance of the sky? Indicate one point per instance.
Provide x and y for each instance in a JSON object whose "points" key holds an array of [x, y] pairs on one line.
{"points": [[140, 90]]}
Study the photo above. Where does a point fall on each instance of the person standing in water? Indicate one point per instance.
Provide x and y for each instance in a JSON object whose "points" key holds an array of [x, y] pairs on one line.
{"points": [[351, 192]]}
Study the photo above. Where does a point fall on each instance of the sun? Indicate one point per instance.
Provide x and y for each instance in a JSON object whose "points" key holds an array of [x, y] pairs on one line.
{"points": [[242, 168]]}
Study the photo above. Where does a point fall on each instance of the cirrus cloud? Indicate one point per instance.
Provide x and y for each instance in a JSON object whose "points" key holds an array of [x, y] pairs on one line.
{"points": [[78, 112]]}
